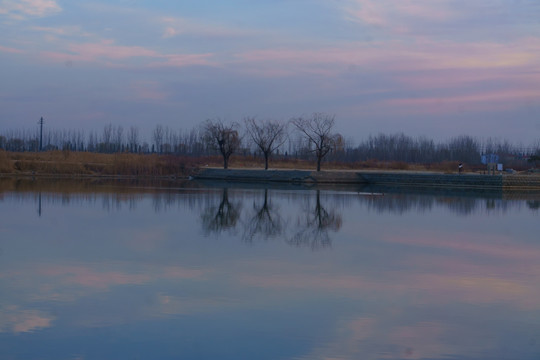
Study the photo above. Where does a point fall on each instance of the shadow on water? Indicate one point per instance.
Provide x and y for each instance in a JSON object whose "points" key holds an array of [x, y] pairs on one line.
{"points": [[313, 226], [223, 217], [221, 204], [396, 199], [263, 221], [534, 204]]}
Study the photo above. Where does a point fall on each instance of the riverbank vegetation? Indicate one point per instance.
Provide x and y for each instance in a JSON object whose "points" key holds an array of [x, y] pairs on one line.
{"points": [[119, 151], [80, 163], [75, 163]]}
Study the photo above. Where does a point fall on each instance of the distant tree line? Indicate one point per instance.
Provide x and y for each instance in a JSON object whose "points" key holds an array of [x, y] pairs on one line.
{"points": [[306, 137]]}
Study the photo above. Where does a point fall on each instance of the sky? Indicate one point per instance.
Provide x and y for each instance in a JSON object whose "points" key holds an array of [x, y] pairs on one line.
{"points": [[435, 68]]}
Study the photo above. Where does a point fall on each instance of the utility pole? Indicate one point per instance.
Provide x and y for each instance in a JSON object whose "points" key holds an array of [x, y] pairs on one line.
{"points": [[40, 122]]}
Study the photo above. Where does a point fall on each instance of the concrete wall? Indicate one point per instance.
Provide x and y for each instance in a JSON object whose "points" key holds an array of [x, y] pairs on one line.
{"points": [[409, 179], [435, 180], [511, 182]]}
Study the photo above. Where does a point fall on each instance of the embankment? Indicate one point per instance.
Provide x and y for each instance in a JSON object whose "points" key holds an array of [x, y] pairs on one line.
{"points": [[376, 178]]}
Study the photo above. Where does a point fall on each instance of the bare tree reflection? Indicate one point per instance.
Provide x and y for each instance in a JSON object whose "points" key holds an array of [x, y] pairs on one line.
{"points": [[265, 221], [533, 204], [313, 226], [39, 204], [224, 217]]}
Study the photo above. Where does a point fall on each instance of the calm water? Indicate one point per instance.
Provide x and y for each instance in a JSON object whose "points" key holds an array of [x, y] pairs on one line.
{"points": [[206, 272]]}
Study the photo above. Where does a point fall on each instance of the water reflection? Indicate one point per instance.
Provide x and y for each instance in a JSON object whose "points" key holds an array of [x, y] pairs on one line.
{"points": [[313, 225], [308, 227], [125, 272], [264, 221], [222, 217], [533, 204], [39, 204], [116, 195], [317, 213]]}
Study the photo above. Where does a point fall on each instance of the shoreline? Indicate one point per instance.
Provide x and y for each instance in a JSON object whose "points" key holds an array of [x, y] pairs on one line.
{"points": [[387, 178], [507, 182]]}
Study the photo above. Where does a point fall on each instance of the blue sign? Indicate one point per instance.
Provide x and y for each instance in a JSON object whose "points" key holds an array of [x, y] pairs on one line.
{"points": [[489, 158]]}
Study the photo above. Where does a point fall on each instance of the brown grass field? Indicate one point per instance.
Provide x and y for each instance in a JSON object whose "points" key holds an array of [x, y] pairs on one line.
{"points": [[60, 163], [93, 164]]}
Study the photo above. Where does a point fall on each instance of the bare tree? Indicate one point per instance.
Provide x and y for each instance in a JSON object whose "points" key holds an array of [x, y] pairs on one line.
{"points": [[158, 137], [92, 142], [222, 137], [106, 139], [133, 138], [118, 138], [267, 135], [317, 130]]}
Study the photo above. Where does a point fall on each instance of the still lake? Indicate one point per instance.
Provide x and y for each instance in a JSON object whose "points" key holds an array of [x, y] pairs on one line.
{"points": [[222, 271]]}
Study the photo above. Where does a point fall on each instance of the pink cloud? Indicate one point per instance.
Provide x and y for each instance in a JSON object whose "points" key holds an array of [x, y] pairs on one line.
{"points": [[175, 305], [426, 280], [395, 57], [176, 26], [148, 90], [338, 282], [16, 320], [107, 49], [363, 338], [108, 53], [180, 60], [21, 8], [90, 278], [509, 276], [483, 76], [460, 78], [421, 340], [479, 101], [64, 31], [285, 62], [432, 288], [368, 12], [397, 15], [476, 289], [67, 283], [487, 245], [170, 32], [11, 50]]}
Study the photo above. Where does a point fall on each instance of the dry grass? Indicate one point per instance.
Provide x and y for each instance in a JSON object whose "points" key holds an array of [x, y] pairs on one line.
{"points": [[126, 164], [291, 163], [83, 163], [6, 165], [251, 162]]}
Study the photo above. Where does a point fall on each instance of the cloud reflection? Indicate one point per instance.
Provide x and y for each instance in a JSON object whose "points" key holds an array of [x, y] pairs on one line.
{"points": [[399, 282], [16, 320]]}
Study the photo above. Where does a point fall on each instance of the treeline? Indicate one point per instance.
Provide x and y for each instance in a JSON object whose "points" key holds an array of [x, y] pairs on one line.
{"points": [[400, 147], [164, 140], [112, 139]]}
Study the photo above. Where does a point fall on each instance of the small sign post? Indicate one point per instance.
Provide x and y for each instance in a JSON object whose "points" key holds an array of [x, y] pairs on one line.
{"points": [[491, 168]]}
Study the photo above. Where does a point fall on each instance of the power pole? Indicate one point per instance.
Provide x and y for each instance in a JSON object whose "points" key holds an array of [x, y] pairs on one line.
{"points": [[40, 122]]}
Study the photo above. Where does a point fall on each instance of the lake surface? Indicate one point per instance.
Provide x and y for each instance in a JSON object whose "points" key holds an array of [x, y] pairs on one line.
{"points": [[218, 271]]}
